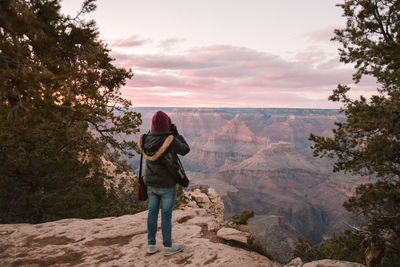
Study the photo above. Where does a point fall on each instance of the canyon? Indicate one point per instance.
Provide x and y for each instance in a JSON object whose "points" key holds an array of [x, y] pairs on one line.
{"points": [[260, 160]]}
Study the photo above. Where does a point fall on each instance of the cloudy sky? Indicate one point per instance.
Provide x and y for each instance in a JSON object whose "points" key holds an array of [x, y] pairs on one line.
{"points": [[225, 53]]}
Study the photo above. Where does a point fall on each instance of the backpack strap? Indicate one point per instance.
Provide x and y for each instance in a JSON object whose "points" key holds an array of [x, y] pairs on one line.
{"points": [[140, 169], [141, 137]]}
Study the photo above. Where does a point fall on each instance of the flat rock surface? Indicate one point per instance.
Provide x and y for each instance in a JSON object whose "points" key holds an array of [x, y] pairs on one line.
{"points": [[121, 241], [231, 234], [117, 241]]}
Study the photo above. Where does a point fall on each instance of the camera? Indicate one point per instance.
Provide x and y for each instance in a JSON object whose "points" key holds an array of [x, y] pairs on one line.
{"points": [[174, 130]]}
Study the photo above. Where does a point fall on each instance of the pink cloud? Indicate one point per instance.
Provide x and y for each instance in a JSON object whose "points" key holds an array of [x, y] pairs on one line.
{"points": [[170, 43], [132, 41], [323, 35], [330, 64], [160, 61], [231, 76], [169, 81], [311, 56]]}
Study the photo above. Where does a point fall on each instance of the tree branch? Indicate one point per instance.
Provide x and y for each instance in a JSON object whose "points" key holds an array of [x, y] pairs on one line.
{"points": [[378, 18]]}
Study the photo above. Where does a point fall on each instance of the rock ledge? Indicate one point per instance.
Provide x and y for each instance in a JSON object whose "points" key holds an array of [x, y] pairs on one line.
{"points": [[121, 241]]}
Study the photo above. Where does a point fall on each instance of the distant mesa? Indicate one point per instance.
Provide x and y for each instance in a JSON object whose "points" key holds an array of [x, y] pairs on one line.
{"points": [[277, 156]]}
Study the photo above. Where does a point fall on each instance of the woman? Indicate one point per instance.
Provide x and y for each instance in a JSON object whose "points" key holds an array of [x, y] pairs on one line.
{"points": [[160, 180]]}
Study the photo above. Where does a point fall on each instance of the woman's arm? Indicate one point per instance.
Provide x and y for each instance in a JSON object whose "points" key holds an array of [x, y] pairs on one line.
{"points": [[179, 145]]}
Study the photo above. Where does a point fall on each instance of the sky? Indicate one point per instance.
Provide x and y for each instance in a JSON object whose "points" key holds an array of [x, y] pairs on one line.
{"points": [[225, 53]]}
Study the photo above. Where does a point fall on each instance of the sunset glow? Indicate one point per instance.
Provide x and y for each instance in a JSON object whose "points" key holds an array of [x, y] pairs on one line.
{"points": [[226, 60]]}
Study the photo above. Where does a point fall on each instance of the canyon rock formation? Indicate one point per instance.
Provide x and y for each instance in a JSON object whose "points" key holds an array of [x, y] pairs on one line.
{"points": [[259, 159]]}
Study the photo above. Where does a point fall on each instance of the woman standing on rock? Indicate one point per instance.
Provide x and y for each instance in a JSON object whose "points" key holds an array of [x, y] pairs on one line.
{"points": [[163, 139]]}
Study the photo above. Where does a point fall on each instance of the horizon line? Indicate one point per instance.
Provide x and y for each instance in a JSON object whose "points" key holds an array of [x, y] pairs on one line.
{"points": [[189, 107]]}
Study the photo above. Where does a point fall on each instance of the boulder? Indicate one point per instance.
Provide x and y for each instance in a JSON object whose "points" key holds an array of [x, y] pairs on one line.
{"points": [[297, 262], [192, 204], [231, 234], [208, 200], [332, 263], [217, 203], [212, 194], [201, 199]]}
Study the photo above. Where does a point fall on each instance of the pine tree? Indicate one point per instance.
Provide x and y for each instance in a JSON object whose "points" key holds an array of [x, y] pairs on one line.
{"points": [[344, 247], [61, 114], [368, 143]]}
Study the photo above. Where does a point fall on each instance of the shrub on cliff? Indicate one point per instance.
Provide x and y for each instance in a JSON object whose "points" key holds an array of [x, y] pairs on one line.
{"points": [[243, 217], [346, 247], [368, 143], [60, 113], [180, 200]]}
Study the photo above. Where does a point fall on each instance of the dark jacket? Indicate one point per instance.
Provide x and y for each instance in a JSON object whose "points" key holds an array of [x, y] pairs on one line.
{"points": [[155, 147]]}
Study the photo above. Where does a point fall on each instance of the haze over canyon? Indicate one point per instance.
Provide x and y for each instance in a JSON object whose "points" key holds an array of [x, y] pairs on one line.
{"points": [[260, 159]]}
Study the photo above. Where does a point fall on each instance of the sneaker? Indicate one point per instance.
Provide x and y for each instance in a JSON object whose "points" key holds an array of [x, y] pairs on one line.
{"points": [[168, 251], [151, 249]]}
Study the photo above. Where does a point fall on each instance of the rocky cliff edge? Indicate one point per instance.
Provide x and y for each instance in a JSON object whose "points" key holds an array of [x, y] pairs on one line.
{"points": [[120, 241]]}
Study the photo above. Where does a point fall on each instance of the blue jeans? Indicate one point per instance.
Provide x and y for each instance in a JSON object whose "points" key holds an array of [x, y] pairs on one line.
{"points": [[164, 198]]}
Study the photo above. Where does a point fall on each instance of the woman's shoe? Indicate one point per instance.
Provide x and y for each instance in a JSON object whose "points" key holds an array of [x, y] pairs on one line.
{"points": [[151, 249], [168, 251]]}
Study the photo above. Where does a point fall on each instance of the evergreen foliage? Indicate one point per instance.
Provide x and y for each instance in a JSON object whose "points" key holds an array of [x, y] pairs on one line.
{"points": [[243, 217], [60, 115], [368, 143], [346, 247], [180, 200]]}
